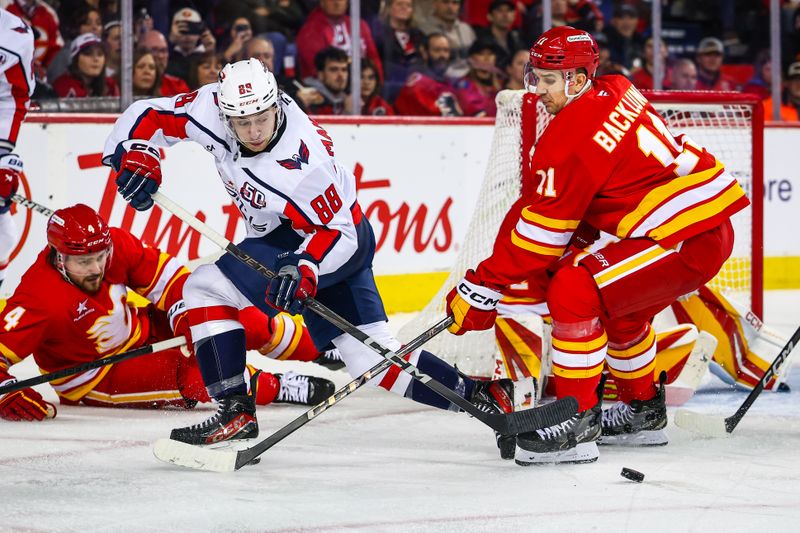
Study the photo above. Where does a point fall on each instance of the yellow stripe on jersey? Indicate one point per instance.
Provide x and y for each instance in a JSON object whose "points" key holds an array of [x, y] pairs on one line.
{"points": [[657, 196], [540, 249], [576, 373], [523, 349], [9, 354], [277, 335], [698, 213], [135, 397], [549, 223], [637, 349], [297, 334], [630, 265], [162, 260], [79, 392], [580, 346]]}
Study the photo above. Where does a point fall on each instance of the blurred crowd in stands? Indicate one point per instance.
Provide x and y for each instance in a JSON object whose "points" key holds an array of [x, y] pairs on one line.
{"points": [[420, 57]]}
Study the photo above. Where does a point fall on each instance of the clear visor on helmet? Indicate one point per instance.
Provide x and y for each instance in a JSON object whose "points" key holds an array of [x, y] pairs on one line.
{"points": [[540, 81], [254, 131], [85, 266]]}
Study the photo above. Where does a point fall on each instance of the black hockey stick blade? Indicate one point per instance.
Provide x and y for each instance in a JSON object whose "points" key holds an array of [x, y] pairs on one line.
{"points": [[715, 426]]}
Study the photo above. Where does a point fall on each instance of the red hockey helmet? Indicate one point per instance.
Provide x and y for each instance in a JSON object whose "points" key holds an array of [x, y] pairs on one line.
{"points": [[566, 48], [78, 230]]}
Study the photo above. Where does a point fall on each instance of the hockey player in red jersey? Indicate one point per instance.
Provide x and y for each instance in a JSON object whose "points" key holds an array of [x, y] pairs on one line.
{"points": [[303, 221], [16, 87], [606, 162], [72, 307]]}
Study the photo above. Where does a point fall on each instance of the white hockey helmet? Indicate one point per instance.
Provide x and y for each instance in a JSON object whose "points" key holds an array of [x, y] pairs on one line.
{"points": [[246, 88]]}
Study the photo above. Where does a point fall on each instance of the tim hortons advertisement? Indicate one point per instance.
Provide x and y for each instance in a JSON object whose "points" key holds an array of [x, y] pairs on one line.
{"points": [[417, 184]]}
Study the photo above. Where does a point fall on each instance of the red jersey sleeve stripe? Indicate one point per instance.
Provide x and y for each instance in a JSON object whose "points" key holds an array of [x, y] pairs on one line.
{"points": [[153, 120], [20, 92], [322, 243]]}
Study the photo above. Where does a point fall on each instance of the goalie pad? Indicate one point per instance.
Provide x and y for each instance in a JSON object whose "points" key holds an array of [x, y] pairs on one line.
{"points": [[745, 346]]}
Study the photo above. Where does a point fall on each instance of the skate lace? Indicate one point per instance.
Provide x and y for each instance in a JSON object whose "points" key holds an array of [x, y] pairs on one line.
{"points": [[333, 355], [294, 388], [552, 432], [212, 420], [618, 414]]}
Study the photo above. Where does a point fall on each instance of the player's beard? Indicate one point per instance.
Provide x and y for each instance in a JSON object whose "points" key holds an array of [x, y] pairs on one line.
{"points": [[91, 284]]}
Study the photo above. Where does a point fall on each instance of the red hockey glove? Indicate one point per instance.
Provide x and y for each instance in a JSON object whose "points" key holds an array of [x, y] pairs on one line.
{"points": [[25, 404], [295, 281], [138, 166], [10, 170], [472, 305]]}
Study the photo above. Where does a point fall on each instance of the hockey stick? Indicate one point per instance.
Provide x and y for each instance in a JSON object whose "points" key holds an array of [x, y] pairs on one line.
{"points": [[507, 424], [30, 204], [91, 365], [228, 460], [715, 426]]}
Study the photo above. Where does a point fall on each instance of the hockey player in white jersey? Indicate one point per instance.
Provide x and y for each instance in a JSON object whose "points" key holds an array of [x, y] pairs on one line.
{"points": [[16, 87], [303, 222]]}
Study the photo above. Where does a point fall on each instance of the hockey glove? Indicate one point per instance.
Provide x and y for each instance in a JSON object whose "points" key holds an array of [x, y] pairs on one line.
{"points": [[472, 305], [25, 404], [138, 166], [10, 170], [295, 281]]}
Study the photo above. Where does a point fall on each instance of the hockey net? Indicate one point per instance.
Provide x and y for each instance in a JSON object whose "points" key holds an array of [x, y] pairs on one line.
{"points": [[729, 125]]}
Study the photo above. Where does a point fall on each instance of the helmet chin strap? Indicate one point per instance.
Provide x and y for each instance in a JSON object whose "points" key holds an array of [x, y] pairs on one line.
{"points": [[279, 118]]}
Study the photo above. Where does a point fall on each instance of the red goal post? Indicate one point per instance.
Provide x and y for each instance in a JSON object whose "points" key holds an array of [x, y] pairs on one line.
{"points": [[729, 125]]}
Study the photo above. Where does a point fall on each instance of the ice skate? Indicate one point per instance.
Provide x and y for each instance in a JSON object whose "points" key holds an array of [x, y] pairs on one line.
{"points": [[303, 390], [496, 397], [641, 423], [572, 441]]}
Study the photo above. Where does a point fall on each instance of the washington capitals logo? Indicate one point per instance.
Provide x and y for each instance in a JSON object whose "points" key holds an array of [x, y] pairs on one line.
{"points": [[297, 160]]}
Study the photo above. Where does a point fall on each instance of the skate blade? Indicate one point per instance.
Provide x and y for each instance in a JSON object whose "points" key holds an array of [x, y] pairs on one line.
{"points": [[656, 437], [196, 457], [585, 452]]}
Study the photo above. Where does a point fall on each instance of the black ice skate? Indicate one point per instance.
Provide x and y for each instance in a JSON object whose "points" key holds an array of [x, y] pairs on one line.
{"points": [[330, 359], [496, 397], [572, 441], [235, 419], [303, 390], [641, 423]]}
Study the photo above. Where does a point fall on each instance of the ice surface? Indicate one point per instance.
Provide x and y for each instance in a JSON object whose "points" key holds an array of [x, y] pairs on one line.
{"points": [[379, 463]]}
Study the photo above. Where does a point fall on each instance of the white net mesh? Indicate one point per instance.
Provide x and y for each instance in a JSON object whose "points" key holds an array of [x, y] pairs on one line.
{"points": [[725, 129]]}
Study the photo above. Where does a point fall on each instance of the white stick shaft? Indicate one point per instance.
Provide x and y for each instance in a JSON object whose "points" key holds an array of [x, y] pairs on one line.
{"points": [[203, 228]]}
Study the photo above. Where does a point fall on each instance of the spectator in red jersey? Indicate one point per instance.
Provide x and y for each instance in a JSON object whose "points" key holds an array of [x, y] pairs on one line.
{"points": [[515, 70], [204, 69], [501, 16], [47, 35], [239, 33], [154, 42], [84, 19], [146, 74], [329, 25], [112, 39], [761, 82], [398, 41], [428, 91], [709, 56], [371, 101], [683, 75], [476, 91], [642, 77], [444, 19], [86, 75], [333, 70]]}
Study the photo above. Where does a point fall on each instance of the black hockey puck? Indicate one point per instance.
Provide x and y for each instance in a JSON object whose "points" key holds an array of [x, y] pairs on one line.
{"points": [[633, 475]]}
